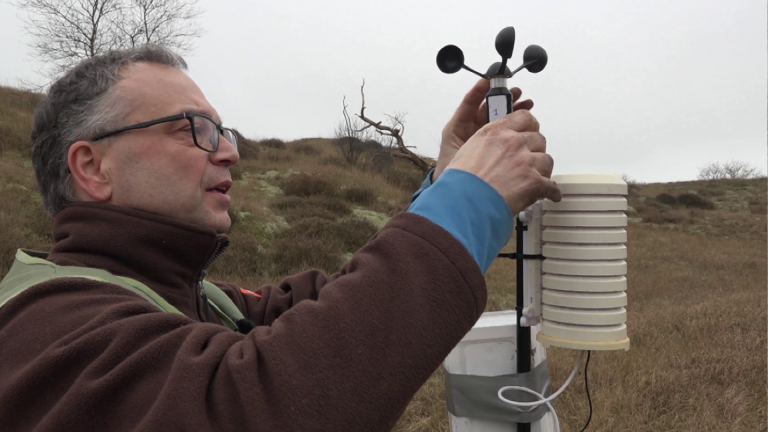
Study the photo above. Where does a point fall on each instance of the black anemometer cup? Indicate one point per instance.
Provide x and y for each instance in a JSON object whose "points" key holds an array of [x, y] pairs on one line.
{"points": [[450, 59]]}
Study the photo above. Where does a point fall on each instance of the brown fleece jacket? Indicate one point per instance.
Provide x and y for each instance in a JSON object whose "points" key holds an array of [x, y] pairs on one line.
{"points": [[344, 352]]}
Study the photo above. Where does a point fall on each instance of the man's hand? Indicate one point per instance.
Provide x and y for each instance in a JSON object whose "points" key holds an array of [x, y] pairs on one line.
{"points": [[510, 155], [467, 120]]}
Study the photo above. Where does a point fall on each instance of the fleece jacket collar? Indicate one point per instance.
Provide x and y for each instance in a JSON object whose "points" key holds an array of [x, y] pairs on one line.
{"points": [[167, 255]]}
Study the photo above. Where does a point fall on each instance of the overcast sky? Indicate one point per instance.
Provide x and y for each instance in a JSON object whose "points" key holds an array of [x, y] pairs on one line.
{"points": [[652, 89]]}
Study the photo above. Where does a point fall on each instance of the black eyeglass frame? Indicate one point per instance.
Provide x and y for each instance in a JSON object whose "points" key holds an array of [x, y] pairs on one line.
{"points": [[185, 115]]}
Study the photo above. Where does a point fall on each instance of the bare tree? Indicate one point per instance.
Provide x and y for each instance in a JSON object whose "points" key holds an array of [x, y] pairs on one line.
{"points": [[394, 130], [349, 136], [729, 170], [67, 31], [171, 23]]}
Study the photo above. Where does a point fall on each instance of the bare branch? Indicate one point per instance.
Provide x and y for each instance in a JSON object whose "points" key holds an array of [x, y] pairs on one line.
{"points": [[350, 136], [395, 130], [65, 32]]}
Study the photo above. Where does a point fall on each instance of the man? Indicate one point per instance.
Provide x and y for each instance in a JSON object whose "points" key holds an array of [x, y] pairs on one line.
{"points": [[132, 162]]}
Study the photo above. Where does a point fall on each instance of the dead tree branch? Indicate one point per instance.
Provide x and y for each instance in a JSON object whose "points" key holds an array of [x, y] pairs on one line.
{"points": [[395, 130]]}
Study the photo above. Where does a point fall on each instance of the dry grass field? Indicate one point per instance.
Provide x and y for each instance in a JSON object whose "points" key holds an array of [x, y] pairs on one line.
{"points": [[697, 275]]}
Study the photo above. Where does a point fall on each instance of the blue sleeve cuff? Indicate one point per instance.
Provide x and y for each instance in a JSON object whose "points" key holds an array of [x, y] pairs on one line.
{"points": [[470, 209], [424, 185]]}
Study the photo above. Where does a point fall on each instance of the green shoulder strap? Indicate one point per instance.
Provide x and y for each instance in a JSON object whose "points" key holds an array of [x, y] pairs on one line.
{"points": [[30, 268], [224, 307]]}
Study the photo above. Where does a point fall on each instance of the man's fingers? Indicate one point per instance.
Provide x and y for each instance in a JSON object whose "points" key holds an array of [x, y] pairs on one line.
{"points": [[524, 105], [516, 103], [543, 163], [535, 142], [550, 191], [520, 121], [481, 117], [467, 111]]}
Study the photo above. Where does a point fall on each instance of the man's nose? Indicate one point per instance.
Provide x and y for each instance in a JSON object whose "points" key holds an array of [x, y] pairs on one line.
{"points": [[226, 155]]}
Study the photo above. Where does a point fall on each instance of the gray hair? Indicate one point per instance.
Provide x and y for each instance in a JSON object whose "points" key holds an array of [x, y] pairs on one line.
{"points": [[78, 106]]}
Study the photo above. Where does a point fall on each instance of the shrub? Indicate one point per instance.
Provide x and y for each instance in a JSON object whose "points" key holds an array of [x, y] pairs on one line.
{"points": [[758, 209], [289, 255], [371, 146], [23, 222], [245, 256], [334, 161], [694, 201], [347, 234], [658, 216], [305, 185], [296, 214], [312, 226], [407, 180], [16, 107], [331, 204], [294, 208], [354, 233], [278, 156], [232, 213], [247, 149], [359, 195], [350, 147], [633, 189], [666, 198], [382, 161], [387, 207], [640, 209], [305, 149], [273, 143], [655, 204], [237, 172], [711, 192]]}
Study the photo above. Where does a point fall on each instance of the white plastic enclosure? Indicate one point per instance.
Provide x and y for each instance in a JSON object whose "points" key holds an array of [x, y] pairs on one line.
{"points": [[584, 271]]}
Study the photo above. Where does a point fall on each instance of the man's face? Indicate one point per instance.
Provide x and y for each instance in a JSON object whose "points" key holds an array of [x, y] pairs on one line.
{"points": [[159, 169]]}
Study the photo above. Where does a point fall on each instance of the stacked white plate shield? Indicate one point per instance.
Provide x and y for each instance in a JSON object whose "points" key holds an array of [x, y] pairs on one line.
{"points": [[584, 270]]}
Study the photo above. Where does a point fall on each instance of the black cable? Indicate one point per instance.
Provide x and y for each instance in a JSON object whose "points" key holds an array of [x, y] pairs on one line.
{"points": [[586, 385]]}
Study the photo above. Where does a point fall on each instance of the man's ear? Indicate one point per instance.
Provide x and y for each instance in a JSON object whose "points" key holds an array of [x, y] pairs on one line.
{"points": [[91, 181]]}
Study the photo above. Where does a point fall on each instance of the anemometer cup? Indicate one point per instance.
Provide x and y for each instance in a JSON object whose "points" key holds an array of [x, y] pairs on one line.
{"points": [[505, 42], [535, 58], [450, 59]]}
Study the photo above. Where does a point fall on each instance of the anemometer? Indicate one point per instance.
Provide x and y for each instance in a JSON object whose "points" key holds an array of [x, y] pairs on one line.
{"points": [[571, 283], [450, 59]]}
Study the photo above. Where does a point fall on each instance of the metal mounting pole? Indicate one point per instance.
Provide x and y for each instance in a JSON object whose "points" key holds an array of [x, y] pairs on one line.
{"points": [[523, 333]]}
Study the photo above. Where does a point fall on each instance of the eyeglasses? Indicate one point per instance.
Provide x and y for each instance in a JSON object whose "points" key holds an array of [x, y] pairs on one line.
{"points": [[205, 131]]}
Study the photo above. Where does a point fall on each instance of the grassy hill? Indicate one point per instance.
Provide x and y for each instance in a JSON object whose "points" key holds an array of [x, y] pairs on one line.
{"points": [[697, 274]]}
